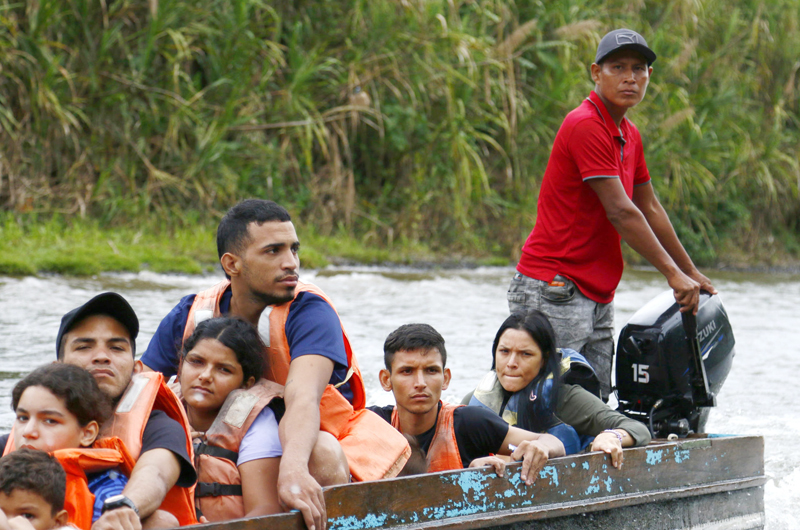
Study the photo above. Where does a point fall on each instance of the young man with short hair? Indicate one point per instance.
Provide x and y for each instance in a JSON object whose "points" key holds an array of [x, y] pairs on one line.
{"points": [[597, 189], [307, 351], [452, 436]]}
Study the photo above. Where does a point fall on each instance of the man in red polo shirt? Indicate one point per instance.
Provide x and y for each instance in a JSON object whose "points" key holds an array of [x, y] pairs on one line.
{"points": [[596, 189]]}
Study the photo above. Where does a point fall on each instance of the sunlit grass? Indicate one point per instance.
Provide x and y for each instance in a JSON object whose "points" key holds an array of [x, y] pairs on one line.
{"points": [[30, 245]]}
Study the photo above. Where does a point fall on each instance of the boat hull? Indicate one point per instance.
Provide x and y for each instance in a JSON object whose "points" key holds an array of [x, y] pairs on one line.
{"points": [[698, 483]]}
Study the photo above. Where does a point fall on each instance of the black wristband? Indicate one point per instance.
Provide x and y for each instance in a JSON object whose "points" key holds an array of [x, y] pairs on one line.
{"points": [[119, 501]]}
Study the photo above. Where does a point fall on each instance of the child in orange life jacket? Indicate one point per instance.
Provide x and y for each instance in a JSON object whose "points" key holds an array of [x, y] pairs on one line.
{"points": [[58, 407], [32, 486], [237, 447]]}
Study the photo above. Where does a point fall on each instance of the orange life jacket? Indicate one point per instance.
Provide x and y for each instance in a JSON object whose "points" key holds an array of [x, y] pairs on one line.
{"points": [[218, 493], [145, 393], [106, 453], [373, 450], [206, 305], [443, 454]]}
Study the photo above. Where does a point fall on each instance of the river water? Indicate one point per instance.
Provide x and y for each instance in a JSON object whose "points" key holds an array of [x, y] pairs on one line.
{"points": [[466, 307]]}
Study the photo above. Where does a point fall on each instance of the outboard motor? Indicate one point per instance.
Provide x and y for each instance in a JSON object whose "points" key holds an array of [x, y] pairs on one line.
{"points": [[661, 379]]}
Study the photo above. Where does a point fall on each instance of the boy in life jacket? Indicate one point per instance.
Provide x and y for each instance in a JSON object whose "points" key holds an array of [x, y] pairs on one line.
{"points": [[100, 337], [307, 351], [59, 409], [452, 436], [32, 488]]}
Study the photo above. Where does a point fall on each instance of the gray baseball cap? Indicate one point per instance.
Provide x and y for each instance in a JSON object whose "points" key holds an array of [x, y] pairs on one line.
{"points": [[623, 39]]}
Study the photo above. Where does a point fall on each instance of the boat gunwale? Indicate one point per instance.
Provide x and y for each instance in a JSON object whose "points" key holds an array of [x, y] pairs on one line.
{"points": [[718, 445]]}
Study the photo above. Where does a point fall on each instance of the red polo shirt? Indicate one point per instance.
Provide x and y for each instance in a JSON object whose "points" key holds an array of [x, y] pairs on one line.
{"points": [[572, 236]]}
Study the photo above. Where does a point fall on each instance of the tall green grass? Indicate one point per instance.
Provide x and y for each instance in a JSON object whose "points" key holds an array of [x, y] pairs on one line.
{"points": [[414, 121]]}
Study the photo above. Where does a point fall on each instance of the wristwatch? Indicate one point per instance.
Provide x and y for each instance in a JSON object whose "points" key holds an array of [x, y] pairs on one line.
{"points": [[119, 501]]}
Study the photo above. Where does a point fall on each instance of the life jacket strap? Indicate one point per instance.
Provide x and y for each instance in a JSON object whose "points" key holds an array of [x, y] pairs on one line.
{"points": [[347, 377], [216, 451], [215, 489]]}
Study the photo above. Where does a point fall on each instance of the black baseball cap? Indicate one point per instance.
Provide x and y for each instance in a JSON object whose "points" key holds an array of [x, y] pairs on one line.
{"points": [[110, 304], [623, 39]]}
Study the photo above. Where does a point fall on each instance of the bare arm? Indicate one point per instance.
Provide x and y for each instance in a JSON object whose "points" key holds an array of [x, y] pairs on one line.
{"points": [[645, 199], [152, 477], [260, 486], [632, 225], [308, 376]]}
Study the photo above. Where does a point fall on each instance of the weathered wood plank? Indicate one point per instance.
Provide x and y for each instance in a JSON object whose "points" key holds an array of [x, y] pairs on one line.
{"points": [[567, 486], [730, 510]]}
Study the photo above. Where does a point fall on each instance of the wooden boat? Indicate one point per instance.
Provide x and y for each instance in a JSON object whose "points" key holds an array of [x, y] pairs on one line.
{"points": [[705, 482]]}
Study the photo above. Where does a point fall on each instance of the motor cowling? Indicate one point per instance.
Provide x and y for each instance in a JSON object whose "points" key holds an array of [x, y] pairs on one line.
{"points": [[656, 378]]}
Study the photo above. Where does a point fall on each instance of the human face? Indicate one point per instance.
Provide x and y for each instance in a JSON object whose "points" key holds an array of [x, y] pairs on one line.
{"points": [[44, 423], [417, 380], [208, 373], [33, 507], [621, 81], [518, 359], [269, 265], [102, 346]]}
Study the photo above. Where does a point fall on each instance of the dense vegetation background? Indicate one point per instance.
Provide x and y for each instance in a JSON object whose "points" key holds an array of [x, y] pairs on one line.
{"points": [[390, 122]]}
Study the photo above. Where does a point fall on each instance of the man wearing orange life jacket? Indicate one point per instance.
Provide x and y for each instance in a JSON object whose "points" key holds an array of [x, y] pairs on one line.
{"points": [[452, 436], [308, 352], [99, 336]]}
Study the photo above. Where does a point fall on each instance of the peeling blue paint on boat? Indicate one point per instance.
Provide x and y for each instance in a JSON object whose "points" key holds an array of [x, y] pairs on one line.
{"points": [[470, 480], [515, 479], [654, 457], [681, 455], [594, 485], [354, 523], [608, 483], [550, 471], [573, 464], [464, 510], [593, 489], [586, 465]]}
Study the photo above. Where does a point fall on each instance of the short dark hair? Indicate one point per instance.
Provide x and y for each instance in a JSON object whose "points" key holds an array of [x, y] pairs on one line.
{"points": [[34, 471], [77, 387], [232, 231], [535, 415], [236, 334], [412, 337]]}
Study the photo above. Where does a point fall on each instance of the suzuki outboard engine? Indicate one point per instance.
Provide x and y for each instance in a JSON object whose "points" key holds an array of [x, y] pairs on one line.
{"points": [[661, 379]]}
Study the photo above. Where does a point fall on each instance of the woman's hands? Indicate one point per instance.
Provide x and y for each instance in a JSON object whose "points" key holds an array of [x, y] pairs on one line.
{"points": [[611, 442]]}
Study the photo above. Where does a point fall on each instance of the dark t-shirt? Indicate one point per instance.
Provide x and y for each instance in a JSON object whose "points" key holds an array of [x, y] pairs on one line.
{"points": [[161, 432], [312, 328], [479, 431]]}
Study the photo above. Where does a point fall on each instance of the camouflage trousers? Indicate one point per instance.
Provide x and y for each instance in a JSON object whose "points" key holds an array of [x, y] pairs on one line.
{"points": [[579, 322]]}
